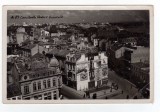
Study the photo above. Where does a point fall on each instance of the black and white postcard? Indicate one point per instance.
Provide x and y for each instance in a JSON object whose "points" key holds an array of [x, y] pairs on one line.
{"points": [[77, 54]]}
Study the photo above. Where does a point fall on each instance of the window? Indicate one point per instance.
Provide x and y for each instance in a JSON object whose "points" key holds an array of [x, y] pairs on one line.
{"points": [[55, 96], [49, 97], [59, 81], [44, 84], [49, 83], [14, 98], [33, 76], [39, 85], [54, 82], [67, 57], [45, 96], [26, 89], [34, 86], [19, 98]]}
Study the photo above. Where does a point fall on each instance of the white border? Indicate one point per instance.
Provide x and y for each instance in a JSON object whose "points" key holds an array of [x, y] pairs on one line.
{"points": [[95, 7]]}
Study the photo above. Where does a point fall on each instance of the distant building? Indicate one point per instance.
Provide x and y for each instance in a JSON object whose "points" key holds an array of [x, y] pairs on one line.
{"points": [[44, 33], [54, 31], [82, 45], [21, 35], [131, 40], [31, 49], [42, 39], [62, 32]]}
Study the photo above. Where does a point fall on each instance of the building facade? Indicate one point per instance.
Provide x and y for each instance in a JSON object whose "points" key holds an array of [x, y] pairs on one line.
{"points": [[39, 80], [86, 71]]}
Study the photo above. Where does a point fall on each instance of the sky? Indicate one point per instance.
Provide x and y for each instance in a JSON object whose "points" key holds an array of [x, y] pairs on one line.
{"points": [[77, 16]]}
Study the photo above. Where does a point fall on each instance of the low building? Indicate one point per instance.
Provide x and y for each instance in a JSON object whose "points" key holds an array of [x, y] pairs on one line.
{"points": [[31, 49], [21, 35], [131, 40]]}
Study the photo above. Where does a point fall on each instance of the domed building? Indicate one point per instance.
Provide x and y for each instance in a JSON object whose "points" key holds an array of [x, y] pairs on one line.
{"points": [[53, 62]]}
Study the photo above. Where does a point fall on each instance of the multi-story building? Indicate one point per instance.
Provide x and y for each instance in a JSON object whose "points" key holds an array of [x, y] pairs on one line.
{"points": [[86, 70], [32, 49], [39, 80], [140, 73], [135, 55], [121, 57], [60, 55]]}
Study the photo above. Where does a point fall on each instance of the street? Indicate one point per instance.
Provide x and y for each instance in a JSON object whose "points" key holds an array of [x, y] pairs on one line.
{"points": [[127, 87]]}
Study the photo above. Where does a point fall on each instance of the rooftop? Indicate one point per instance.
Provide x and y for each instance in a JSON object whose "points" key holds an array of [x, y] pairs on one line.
{"points": [[116, 46], [29, 46]]}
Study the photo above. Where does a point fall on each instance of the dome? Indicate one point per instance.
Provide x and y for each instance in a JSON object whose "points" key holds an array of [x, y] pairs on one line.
{"points": [[54, 62]]}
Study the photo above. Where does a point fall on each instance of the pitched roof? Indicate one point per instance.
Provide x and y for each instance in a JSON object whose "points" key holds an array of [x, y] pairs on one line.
{"points": [[38, 55], [57, 52]]}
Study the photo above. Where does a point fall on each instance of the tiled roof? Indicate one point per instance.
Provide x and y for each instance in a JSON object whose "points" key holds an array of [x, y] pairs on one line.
{"points": [[21, 67], [38, 55], [57, 52]]}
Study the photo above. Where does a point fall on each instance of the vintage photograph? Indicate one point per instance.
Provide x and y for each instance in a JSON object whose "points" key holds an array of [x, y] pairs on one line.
{"points": [[71, 54]]}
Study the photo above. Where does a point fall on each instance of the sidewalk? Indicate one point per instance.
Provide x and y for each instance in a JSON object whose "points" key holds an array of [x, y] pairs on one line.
{"points": [[102, 94]]}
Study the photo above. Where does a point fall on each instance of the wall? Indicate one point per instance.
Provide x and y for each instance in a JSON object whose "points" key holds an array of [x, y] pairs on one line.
{"points": [[120, 52], [19, 37], [140, 55], [82, 73]]}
